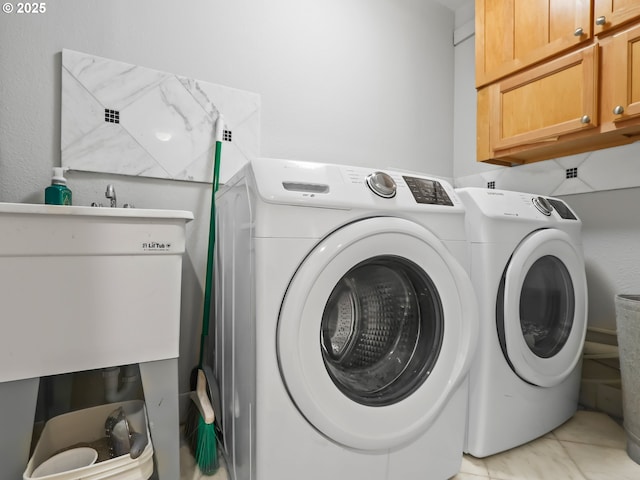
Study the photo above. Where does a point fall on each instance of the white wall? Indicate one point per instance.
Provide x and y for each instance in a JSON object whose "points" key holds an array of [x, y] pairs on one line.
{"points": [[366, 82], [360, 82], [611, 228], [464, 107]]}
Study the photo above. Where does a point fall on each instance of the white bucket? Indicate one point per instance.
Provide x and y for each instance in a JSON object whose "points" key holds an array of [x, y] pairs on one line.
{"points": [[68, 430]]}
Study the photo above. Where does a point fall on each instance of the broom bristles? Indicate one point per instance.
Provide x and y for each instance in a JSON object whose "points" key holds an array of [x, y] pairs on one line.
{"points": [[191, 428], [207, 448]]}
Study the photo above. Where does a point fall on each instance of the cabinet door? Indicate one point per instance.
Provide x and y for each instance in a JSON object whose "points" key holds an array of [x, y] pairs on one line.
{"points": [[544, 102], [609, 14], [626, 76], [513, 34]]}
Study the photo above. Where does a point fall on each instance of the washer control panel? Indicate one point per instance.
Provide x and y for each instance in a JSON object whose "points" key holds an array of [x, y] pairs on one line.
{"points": [[343, 187], [382, 184], [427, 191]]}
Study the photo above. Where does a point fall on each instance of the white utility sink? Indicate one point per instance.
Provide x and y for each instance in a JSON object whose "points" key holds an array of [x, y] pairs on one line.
{"points": [[85, 288]]}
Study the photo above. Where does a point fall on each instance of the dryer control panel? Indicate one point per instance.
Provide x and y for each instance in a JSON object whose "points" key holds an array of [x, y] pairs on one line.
{"points": [[562, 209], [524, 206], [547, 206]]}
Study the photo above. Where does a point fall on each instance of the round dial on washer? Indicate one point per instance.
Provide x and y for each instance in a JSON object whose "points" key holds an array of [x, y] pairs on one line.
{"points": [[382, 184], [543, 205]]}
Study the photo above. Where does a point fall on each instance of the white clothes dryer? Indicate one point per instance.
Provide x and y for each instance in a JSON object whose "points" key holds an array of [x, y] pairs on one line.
{"points": [[347, 323], [527, 267]]}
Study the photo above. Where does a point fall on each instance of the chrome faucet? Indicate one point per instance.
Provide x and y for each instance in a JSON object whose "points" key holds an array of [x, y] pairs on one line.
{"points": [[111, 195]]}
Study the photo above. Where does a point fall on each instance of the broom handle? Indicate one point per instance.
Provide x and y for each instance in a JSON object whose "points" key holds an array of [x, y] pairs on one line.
{"points": [[208, 282]]}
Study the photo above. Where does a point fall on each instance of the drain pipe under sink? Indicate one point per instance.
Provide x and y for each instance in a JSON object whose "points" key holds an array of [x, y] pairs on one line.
{"points": [[130, 379]]}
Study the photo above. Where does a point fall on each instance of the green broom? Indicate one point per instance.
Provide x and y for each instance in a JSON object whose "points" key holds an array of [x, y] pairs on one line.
{"points": [[206, 450], [200, 429]]}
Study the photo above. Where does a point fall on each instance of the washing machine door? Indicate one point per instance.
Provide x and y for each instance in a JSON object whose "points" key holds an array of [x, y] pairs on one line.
{"points": [[376, 332], [542, 308]]}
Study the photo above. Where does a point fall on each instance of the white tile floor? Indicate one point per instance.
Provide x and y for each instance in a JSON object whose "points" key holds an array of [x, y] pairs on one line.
{"points": [[590, 446], [190, 471]]}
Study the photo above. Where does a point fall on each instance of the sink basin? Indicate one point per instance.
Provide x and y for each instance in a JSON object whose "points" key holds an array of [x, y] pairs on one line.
{"points": [[85, 288]]}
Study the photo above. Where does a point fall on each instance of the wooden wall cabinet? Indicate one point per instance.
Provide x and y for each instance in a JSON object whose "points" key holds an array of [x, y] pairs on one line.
{"points": [[610, 14], [513, 34], [622, 78], [546, 101], [579, 98]]}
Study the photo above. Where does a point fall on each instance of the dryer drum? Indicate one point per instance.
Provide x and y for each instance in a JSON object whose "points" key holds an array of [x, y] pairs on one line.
{"points": [[381, 330]]}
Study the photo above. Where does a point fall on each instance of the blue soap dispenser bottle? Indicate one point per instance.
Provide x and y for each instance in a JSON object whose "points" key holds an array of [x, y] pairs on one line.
{"points": [[57, 193]]}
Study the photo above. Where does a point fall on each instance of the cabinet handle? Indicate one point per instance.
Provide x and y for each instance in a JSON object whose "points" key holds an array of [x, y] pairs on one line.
{"points": [[585, 119], [601, 20], [579, 32], [619, 110]]}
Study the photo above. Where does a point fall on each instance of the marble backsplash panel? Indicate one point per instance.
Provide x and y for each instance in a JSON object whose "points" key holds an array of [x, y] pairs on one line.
{"points": [[130, 120], [606, 169]]}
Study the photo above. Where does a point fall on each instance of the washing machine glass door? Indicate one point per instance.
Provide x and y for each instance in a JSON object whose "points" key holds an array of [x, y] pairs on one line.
{"points": [[381, 330], [376, 331], [541, 311]]}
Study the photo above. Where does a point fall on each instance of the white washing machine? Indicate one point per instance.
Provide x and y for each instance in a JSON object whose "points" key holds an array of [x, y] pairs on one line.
{"points": [[527, 267], [346, 323]]}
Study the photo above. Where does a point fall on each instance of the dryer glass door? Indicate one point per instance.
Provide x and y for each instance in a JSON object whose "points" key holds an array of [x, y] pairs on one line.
{"points": [[547, 306], [376, 333], [541, 308]]}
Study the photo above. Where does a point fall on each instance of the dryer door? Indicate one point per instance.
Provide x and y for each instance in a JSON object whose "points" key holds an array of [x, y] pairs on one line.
{"points": [[542, 308], [376, 331]]}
